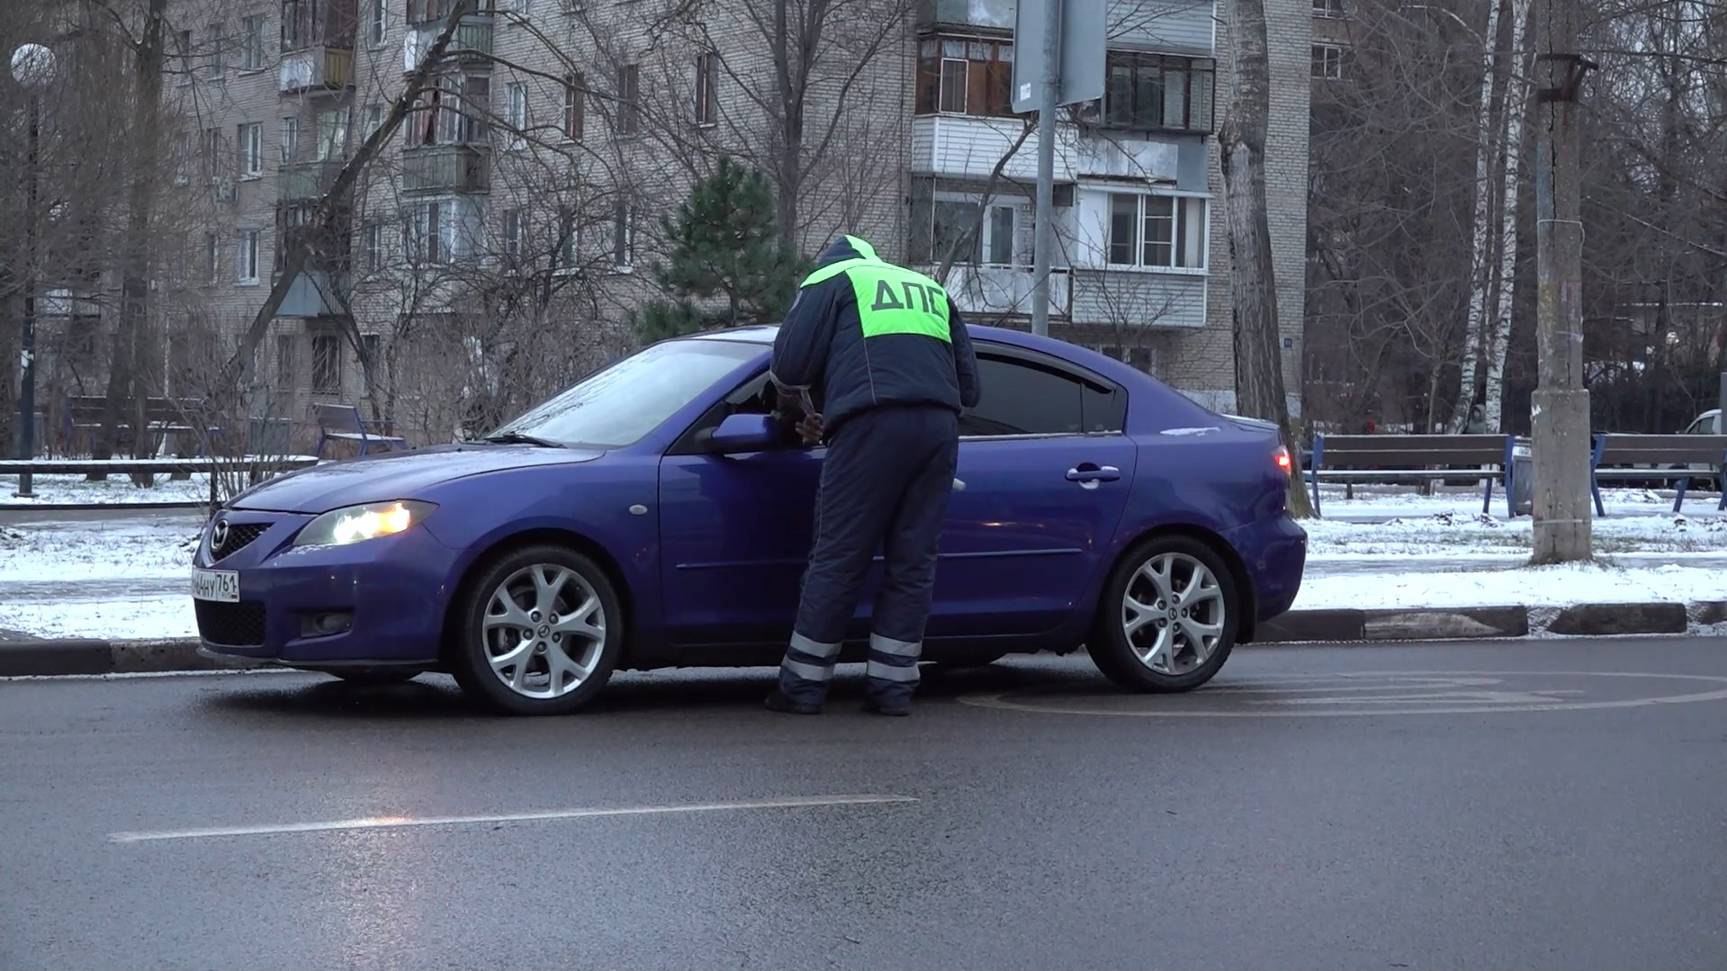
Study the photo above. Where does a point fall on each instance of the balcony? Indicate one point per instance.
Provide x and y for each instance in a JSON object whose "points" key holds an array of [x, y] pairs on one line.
{"points": [[986, 292], [433, 169], [307, 180], [471, 43], [316, 293], [968, 146], [315, 69], [1137, 299], [977, 13]]}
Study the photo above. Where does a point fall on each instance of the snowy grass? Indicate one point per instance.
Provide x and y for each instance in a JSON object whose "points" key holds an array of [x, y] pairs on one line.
{"points": [[69, 551], [1555, 586], [1449, 534], [117, 490]]}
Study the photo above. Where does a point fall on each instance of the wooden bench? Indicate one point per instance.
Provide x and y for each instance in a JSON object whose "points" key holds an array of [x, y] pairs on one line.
{"points": [[1658, 455], [342, 423], [1413, 458], [181, 466], [162, 417]]}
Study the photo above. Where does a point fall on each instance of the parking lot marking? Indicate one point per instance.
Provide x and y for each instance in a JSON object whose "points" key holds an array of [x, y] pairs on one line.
{"points": [[402, 822]]}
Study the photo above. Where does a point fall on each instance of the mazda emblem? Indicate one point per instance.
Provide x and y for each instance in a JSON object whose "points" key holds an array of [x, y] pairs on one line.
{"points": [[219, 535]]}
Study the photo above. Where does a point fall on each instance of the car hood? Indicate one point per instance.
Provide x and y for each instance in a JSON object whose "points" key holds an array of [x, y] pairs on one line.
{"points": [[396, 475]]}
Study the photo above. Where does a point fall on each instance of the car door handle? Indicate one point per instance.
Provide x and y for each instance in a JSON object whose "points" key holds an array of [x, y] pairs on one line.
{"points": [[1088, 476]]}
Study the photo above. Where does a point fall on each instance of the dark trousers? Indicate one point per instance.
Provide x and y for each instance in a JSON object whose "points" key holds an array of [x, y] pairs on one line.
{"points": [[885, 485]]}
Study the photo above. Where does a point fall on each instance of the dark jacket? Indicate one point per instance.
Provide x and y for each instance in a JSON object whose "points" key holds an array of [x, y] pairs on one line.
{"points": [[821, 346]]}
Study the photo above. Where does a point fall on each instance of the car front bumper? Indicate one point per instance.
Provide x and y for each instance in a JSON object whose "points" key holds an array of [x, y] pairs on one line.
{"points": [[389, 592]]}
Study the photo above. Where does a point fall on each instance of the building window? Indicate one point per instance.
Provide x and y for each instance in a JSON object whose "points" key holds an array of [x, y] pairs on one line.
{"points": [[246, 257], [569, 238], [512, 235], [998, 235], [372, 247], [629, 120], [285, 362], [183, 45], [289, 139], [377, 21], [327, 363], [623, 236], [430, 244], [213, 55], [252, 44], [374, 119], [516, 112], [250, 138], [212, 258], [707, 82], [1328, 8], [452, 112], [1156, 232], [373, 345], [575, 105], [1327, 62], [332, 134], [296, 17], [212, 149], [1156, 92], [965, 75]]}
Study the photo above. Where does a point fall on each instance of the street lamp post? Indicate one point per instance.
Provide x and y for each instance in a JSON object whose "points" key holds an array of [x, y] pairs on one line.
{"points": [[33, 69]]}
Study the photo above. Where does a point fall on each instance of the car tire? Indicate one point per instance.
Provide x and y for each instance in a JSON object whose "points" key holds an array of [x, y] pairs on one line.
{"points": [[1152, 642], [538, 631], [378, 677]]}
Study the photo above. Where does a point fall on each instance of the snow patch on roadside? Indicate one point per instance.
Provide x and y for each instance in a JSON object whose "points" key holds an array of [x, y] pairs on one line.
{"points": [[1546, 586]]}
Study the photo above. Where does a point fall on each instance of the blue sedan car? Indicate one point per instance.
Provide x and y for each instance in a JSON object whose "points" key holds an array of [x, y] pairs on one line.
{"points": [[658, 514]]}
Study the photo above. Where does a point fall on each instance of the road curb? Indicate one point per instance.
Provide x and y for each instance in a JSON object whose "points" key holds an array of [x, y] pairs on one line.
{"points": [[1338, 626]]}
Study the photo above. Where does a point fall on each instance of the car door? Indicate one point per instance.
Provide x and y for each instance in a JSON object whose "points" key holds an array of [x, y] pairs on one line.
{"points": [[735, 533], [1044, 475]]}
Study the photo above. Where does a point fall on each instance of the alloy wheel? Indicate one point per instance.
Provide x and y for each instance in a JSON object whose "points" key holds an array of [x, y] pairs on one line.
{"points": [[1173, 613], [544, 631]]}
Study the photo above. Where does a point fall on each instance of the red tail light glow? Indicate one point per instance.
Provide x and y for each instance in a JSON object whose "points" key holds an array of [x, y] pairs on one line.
{"points": [[1281, 457]]}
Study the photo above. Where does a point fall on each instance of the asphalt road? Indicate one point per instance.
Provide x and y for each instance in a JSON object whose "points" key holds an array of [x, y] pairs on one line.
{"points": [[1541, 804]]}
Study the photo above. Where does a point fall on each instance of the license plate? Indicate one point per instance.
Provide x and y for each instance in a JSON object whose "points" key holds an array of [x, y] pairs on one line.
{"points": [[219, 585]]}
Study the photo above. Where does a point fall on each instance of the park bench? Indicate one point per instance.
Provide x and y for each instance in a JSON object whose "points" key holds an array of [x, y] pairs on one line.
{"points": [[163, 418], [342, 423], [1415, 458], [1668, 457], [157, 466]]}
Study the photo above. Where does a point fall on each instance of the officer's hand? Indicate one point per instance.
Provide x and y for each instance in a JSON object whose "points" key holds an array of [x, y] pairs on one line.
{"points": [[810, 429]]}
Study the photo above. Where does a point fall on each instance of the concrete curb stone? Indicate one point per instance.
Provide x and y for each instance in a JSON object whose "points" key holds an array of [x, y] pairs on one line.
{"points": [[1592, 620]]}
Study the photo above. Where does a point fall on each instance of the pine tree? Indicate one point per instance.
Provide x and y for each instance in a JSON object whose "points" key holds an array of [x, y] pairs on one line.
{"points": [[724, 245]]}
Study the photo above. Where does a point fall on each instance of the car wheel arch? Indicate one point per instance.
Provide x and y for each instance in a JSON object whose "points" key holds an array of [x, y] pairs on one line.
{"points": [[503, 546], [1217, 544]]}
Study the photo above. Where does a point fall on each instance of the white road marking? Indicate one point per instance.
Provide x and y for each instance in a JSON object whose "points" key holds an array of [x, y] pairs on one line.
{"points": [[402, 822], [1438, 704]]}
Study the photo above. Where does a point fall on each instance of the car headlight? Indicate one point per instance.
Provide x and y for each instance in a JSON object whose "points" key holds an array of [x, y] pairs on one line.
{"points": [[353, 524]]}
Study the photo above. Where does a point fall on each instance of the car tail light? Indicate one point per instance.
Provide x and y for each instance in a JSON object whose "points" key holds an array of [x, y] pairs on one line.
{"points": [[1281, 457]]}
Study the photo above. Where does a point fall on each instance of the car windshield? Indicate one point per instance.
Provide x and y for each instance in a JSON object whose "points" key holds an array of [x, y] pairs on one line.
{"points": [[622, 403]]}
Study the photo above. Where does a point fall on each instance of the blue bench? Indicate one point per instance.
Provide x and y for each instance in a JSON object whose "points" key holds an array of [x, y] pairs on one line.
{"points": [[1667, 457], [342, 423]]}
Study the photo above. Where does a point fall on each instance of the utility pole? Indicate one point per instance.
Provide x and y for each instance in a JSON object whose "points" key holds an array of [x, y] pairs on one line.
{"points": [[1048, 94], [1560, 407]]}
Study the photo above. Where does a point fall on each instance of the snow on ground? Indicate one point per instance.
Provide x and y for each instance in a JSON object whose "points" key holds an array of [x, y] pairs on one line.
{"points": [[146, 618], [116, 490], [68, 551], [1448, 534], [1554, 586]]}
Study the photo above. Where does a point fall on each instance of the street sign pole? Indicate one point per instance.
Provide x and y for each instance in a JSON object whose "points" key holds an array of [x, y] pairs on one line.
{"points": [[1048, 94]]}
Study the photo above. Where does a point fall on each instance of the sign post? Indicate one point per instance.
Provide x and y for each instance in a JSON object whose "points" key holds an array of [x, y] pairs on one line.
{"points": [[1058, 60]]}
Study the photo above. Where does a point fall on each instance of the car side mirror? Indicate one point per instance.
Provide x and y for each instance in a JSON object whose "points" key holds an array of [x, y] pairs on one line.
{"points": [[744, 433]]}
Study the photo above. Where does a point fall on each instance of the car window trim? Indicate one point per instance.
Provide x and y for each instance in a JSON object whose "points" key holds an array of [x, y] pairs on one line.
{"points": [[1078, 373]]}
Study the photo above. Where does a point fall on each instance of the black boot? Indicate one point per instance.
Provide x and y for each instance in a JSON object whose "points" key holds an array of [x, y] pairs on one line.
{"points": [[775, 701]]}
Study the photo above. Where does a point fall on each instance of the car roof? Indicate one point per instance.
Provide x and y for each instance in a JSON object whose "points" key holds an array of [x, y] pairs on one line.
{"points": [[765, 333]]}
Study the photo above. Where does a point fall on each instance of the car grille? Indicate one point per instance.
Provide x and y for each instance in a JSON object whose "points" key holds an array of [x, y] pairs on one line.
{"points": [[234, 625], [239, 536]]}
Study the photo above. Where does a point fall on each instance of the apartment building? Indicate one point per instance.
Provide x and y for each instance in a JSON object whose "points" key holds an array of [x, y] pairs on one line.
{"points": [[560, 131]]}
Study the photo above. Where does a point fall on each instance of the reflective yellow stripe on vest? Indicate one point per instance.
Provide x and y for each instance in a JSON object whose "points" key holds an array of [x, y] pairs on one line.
{"points": [[891, 299]]}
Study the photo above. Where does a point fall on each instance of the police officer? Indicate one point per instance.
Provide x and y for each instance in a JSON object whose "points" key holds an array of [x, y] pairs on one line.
{"points": [[891, 367]]}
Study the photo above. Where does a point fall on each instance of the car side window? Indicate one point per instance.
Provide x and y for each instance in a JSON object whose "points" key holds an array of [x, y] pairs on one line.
{"points": [[1025, 398], [1020, 398]]}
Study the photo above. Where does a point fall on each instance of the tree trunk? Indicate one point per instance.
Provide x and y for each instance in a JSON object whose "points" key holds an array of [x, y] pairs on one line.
{"points": [[1259, 387], [124, 380], [787, 81], [1516, 111], [1481, 238]]}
